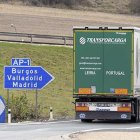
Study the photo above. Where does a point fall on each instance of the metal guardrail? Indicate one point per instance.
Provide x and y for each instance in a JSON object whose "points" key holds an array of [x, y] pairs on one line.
{"points": [[31, 36]]}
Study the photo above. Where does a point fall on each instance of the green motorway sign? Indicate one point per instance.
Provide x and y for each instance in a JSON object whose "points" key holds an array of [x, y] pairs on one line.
{"points": [[103, 62]]}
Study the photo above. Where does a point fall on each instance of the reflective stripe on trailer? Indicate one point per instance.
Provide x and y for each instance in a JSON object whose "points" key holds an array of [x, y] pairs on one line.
{"points": [[124, 109], [82, 108], [102, 106]]}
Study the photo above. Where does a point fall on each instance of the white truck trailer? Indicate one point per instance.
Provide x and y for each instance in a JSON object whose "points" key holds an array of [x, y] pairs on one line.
{"points": [[106, 73]]}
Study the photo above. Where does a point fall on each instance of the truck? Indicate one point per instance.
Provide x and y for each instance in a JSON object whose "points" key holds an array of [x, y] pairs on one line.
{"points": [[106, 73]]}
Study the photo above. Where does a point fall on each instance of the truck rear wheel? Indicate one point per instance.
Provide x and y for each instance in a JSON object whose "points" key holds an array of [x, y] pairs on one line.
{"points": [[136, 118], [86, 120]]}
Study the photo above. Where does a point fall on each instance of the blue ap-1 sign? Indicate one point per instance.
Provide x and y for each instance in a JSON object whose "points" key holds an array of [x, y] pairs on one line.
{"points": [[2, 110], [25, 77], [21, 61]]}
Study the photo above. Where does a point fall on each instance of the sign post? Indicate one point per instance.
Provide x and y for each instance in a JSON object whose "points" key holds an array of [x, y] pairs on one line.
{"points": [[36, 107], [8, 98], [23, 76], [9, 112]]}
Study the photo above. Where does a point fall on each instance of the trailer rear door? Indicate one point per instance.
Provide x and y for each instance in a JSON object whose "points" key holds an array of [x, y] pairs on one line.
{"points": [[118, 65], [103, 62]]}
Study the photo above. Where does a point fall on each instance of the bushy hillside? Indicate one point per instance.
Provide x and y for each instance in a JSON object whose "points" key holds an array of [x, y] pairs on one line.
{"points": [[113, 6]]}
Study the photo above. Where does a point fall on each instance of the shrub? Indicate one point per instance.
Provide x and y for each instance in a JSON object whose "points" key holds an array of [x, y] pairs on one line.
{"points": [[135, 6], [35, 2], [21, 109]]}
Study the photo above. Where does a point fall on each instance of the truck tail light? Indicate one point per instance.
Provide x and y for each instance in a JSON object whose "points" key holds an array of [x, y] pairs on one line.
{"points": [[126, 105], [81, 107], [123, 105], [80, 104]]}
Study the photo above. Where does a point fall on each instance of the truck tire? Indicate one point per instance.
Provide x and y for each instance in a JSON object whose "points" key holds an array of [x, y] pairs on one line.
{"points": [[86, 120], [136, 118], [133, 119], [137, 111]]}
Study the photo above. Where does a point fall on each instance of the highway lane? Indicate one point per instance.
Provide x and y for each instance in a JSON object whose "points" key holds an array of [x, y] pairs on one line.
{"points": [[45, 130]]}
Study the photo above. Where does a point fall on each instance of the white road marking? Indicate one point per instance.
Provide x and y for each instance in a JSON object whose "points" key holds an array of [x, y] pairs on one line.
{"points": [[36, 123], [90, 130]]}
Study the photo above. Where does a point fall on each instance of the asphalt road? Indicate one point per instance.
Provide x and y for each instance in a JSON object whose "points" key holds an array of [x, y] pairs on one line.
{"points": [[46, 130]]}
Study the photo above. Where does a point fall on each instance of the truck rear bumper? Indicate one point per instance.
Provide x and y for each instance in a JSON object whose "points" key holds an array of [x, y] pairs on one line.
{"points": [[112, 115]]}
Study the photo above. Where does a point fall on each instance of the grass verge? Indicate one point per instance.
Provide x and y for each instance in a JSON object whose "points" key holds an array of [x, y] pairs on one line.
{"points": [[58, 62]]}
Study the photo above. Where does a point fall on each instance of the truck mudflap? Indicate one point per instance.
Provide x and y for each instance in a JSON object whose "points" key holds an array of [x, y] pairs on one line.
{"points": [[111, 115]]}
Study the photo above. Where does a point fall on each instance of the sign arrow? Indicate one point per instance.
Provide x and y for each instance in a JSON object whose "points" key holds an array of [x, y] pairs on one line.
{"points": [[2, 106], [29, 77]]}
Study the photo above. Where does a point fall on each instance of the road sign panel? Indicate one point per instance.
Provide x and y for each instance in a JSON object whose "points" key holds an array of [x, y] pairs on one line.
{"points": [[33, 77], [21, 62], [2, 110]]}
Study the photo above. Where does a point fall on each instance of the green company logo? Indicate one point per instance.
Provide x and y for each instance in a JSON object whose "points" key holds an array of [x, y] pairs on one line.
{"points": [[106, 40], [83, 40]]}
